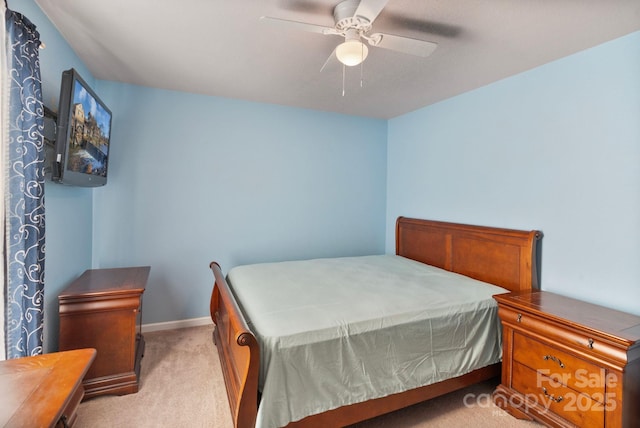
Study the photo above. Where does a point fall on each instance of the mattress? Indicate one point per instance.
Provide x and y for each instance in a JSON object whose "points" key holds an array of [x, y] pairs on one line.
{"points": [[338, 331]]}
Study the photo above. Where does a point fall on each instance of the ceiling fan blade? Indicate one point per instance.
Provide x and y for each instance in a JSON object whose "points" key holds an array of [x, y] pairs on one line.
{"points": [[316, 7], [402, 44], [332, 58], [370, 9], [298, 25]]}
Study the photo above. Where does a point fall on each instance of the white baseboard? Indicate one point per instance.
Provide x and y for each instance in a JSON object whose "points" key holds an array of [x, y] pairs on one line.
{"points": [[171, 325]]}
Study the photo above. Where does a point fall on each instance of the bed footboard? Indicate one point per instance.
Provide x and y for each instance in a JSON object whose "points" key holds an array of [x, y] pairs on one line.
{"points": [[238, 351]]}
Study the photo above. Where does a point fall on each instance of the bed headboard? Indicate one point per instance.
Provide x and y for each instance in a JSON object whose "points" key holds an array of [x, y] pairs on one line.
{"points": [[503, 257]]}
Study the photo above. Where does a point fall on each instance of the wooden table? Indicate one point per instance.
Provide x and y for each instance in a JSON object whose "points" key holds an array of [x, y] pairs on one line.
{"points": [[43, 391]]}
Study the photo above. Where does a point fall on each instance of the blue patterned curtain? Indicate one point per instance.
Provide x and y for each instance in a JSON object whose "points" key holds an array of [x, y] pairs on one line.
{"points": [[24, 191]]}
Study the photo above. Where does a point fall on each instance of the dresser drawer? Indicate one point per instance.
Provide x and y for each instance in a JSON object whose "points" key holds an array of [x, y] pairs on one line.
{"points": [[561, 367], [589, 345], [541, 391]]}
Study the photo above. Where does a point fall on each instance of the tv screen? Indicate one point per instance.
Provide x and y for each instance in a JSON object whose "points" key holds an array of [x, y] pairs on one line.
{"points": [[83, 134]]}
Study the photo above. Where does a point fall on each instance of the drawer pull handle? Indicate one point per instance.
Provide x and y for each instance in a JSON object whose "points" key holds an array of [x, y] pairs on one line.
{"points": [[556, 399], [590, 343], [519, 318], [552, 358], [63, 421]]}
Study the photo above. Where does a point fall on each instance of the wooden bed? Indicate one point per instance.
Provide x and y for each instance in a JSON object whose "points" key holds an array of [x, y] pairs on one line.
{"points": [[503, 257]]}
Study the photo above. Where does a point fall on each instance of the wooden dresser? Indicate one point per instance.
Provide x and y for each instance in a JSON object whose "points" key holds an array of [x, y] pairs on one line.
{"points": [[102, 309], [44, 390], [568, 363]]}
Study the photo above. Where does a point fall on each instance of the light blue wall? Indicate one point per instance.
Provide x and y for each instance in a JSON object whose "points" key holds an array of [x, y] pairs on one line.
{"points": [[194, 179], [68, 210], [556, 148]]}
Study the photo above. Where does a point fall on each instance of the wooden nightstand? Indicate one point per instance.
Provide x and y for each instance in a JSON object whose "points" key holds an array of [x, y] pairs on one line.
{"points": [[568, 363], [102, 309]]}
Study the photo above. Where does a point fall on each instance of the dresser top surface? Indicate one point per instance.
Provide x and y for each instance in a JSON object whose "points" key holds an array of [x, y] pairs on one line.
{"points": [[108, 281], [577, 313]]}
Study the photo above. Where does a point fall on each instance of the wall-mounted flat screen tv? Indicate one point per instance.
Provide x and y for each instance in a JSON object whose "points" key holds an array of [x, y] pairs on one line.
{"points": [[83, 135]]}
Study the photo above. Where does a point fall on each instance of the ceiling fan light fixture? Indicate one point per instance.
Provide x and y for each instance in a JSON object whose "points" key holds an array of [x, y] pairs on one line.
{"points": [[352, 52]]}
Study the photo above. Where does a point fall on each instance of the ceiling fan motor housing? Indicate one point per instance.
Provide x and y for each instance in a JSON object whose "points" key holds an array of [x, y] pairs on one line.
{"points": [[345, 19]]}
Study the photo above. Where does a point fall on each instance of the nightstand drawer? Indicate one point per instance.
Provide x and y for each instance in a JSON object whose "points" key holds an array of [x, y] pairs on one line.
{"points": [[589, 344], [560, 366], [571, 405]]}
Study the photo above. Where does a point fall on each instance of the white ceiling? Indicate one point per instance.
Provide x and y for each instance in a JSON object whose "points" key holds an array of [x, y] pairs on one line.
{"points": [[221, 48]]}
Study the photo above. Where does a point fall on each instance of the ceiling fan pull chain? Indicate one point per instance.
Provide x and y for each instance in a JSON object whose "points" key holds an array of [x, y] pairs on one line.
{"points": [[343, 73], [361, 64]]}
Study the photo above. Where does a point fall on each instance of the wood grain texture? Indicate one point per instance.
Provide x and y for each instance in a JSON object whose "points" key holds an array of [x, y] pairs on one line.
{"points": [[238, 351], [38, 391], [568, 363], [504, 257], [101, 309]]}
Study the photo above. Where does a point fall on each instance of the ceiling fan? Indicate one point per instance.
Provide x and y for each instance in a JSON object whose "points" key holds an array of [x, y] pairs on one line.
{"points": [[353, 21]]}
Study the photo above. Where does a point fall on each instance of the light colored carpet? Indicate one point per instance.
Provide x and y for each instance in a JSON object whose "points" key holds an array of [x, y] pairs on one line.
{"points": [[182, 385]]}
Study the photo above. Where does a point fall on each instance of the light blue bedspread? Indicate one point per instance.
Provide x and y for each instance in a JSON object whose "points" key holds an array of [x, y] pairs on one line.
{"points": [[338, 331]]}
